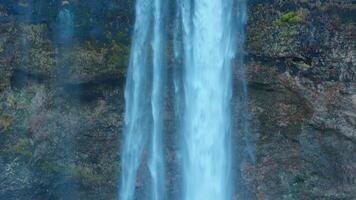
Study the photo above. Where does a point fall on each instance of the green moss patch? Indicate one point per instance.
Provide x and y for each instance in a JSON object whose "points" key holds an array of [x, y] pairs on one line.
{"points": [[21, 147], [75, 171], [288, 34], [291, 17], [119, 54], [5, 122]]}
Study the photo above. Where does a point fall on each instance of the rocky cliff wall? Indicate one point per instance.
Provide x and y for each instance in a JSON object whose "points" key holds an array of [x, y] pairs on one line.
{"points": [[65, 138]]}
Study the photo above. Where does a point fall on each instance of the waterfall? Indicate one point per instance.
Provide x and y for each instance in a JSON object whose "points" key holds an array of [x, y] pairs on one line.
{"points": [[65, 25], [206, 36], [156, 164], [143, 115], [242, 102], [243, 141], [137, 110], [25, 43], [208, 50], [64, 38]]}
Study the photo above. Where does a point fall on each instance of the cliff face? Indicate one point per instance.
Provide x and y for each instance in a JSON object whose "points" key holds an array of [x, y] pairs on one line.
{"points": [[60, 108], [61, 133], [301, 70]]}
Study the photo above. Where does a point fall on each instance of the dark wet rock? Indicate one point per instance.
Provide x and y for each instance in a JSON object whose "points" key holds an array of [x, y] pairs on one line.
{"points": [[301, 70]]}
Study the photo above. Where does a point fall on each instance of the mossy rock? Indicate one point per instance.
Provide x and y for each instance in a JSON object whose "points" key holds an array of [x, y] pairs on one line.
{"points": [[82, 64], [83, 173], [74, 171], [21, 147], [291, 17], [5, 122], [288, 34], [119, 55], [36, 52], [88, 63]]}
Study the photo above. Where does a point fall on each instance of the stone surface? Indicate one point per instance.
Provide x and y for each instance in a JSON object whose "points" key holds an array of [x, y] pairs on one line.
{"points": [[301, 70]]}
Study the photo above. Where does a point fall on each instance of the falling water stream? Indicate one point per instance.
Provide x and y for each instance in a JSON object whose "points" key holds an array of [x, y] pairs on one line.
{"points": [[26, 46], [143, 115], [64, 38], [209, 48], [137, 124], [156, 164], [65, 25], [64, 34], [205, 44]]}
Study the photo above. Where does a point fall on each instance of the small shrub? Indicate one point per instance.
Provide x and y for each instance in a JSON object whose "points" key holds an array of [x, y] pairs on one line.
{"points": [[293, 17]]}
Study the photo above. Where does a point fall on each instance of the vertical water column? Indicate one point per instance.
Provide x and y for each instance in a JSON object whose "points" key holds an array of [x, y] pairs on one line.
{"points": [[25, 43], [156, 164], [243, 125], [179, 44], [144, 100], [64, 39], [24, 40], [65, 26], [137, 108], [244, 147], [209, 48], [64, 33]]}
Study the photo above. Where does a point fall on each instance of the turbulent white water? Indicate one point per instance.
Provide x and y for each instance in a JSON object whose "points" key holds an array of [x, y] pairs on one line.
{"points": [[143, 97], [209, 47]]}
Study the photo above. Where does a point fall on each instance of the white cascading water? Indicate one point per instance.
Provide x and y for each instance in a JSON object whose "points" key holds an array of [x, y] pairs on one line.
{"points": [[156, 164], [136, 110], [209, 48], [143, 115], [204, 43]]}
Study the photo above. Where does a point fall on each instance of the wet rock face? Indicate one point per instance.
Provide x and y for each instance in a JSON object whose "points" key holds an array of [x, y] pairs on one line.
{"points": [[63, 137], [60, 133], [301, 70]]}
